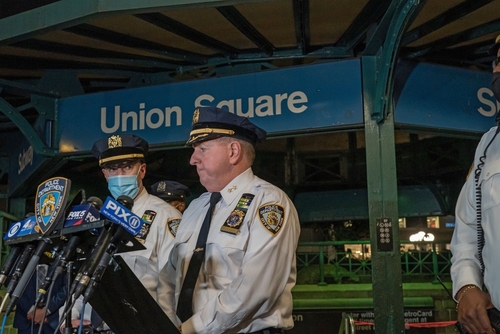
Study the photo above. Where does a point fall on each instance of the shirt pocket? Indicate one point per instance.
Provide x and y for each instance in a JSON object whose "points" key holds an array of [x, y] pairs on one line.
{"points": [[224, 255], [490, 185]]}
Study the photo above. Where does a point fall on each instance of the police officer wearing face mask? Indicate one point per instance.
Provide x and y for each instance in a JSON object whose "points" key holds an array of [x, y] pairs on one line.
{"points": [[122, 159], [475, 261]]}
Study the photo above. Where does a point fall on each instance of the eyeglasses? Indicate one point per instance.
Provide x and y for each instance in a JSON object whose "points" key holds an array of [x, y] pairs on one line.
{"points": [[126, 167], [495, 62]]}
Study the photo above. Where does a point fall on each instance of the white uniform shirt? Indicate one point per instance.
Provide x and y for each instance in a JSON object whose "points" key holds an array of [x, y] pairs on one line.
{"points": [[147, 264], [465, 267], [246, 280]]}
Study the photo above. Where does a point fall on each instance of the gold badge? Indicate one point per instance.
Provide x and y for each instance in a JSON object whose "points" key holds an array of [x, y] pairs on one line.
{"points": [[272, 217], [115, 141], [196, 116], [233, 222]]}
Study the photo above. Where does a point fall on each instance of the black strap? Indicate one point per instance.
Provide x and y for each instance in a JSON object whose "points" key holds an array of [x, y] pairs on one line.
{"points": [[185, 303], [96, 319]]}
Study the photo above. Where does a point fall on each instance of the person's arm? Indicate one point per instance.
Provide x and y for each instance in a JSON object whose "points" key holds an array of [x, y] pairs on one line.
{"points": [[166, 293], [472, 302], [76, 314], [267, 269]]}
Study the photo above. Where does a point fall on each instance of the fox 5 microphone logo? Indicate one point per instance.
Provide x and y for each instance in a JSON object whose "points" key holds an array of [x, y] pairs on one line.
{"points": [[119, 214]]}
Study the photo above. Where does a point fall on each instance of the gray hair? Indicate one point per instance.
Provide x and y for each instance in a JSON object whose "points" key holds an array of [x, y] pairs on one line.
{"points": [[248, 148]]}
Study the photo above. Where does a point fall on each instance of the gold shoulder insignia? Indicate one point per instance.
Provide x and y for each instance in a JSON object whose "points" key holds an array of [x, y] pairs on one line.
{"points": [[272, 217]]}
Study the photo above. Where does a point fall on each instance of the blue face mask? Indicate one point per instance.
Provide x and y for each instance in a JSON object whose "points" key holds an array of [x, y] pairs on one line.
{"points": [[123, 185]]}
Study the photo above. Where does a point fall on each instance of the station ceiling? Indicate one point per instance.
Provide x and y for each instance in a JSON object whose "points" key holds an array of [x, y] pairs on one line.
{"points": [[105, 46], [58, 48]]}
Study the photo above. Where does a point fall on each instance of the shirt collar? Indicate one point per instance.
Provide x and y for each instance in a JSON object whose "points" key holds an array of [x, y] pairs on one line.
{"points": [[141, 197], [234, 189]]}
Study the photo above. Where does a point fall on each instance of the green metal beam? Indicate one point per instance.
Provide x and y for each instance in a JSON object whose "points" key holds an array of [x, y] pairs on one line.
{"points": [[353, 303], [25, 127], [378, 63], [67, 13]]}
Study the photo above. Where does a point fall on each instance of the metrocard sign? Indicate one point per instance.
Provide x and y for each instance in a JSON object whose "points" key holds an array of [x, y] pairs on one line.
{"points": [[284, 101]]}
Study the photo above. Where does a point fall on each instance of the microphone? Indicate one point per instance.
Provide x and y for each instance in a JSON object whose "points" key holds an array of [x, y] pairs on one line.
{"points": [[30, 268], [83, 213], [84, 274], [22, 231], [75, 217], [118, 236], [57, 266], [95, 201], [21, 263], [17, 233], [9, 263]]}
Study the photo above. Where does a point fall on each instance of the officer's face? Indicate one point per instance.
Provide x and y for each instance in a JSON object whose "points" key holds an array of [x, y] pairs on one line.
{"points": [[126, 168], [212, 161]]}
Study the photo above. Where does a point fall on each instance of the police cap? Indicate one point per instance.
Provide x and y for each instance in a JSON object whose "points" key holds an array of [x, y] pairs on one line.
{"points": [[119, 148], [170, 190], [493, 50], [212, 122]]}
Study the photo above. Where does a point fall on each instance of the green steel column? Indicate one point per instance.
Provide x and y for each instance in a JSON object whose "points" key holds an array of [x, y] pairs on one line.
{"points": [[378, 62], [383, 203]]}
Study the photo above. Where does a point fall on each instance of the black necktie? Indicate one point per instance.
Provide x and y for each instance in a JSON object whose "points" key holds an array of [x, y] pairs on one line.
{"points": [[185, 303]]}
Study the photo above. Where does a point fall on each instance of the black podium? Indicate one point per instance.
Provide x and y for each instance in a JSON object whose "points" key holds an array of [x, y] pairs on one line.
{"points": [[126, 306]]}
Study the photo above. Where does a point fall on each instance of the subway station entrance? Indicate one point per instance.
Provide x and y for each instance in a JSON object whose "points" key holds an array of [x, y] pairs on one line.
{"points": [[373, 110]]}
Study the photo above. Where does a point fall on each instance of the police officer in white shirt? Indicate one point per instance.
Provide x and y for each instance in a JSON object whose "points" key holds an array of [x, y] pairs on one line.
{"points": [[122, 159], [474, 245], [249, 265]]}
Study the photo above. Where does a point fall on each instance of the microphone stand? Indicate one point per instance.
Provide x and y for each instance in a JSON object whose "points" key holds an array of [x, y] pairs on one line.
{"points": [[68, 328]]}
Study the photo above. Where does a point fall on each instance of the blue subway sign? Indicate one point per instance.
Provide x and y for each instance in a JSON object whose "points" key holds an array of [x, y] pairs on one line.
{"points": [[280, 101]]}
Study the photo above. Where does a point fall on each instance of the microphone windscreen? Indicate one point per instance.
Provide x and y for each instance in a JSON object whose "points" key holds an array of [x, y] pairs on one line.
{"points": [[125, 201], [95, 201]]}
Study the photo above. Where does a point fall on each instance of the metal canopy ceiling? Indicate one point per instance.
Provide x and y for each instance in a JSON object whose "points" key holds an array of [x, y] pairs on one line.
{"points": [[114, 45]]}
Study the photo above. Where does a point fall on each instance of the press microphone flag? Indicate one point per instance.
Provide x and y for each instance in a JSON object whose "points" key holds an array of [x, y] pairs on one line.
{"points": [[81, 214], [119, 214], [50, 205], [19, 232], [22, 231]]}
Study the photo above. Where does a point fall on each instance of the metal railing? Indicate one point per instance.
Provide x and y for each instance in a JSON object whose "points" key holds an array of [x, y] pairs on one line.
{"points": [[336, 262], [347, 324]]}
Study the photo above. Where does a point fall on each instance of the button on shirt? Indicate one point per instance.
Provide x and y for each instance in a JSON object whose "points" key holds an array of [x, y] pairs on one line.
{"points": [[465, 265], [246, 280]]}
